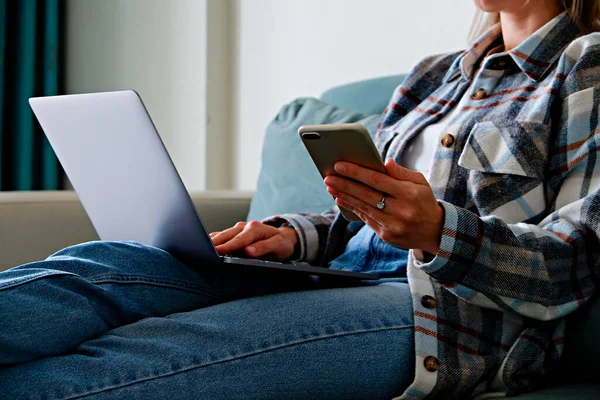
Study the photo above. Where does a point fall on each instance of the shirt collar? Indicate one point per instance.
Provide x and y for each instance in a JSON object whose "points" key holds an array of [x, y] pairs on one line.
{"points": [[534, 56]]}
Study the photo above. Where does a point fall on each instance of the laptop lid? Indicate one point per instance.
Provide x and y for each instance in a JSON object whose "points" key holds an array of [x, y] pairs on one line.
{"points": [[119, 167]]}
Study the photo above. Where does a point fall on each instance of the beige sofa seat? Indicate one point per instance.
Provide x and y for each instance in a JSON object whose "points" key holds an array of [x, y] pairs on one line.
{"points": [[34, 225]]}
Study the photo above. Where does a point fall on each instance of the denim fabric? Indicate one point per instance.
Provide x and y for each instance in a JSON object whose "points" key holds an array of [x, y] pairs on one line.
{"points": [[366, 252], [120, 320]]}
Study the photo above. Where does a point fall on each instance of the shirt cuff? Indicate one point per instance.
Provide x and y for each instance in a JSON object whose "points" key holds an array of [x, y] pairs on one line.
{"points": [[308, 236], [460, 244]]}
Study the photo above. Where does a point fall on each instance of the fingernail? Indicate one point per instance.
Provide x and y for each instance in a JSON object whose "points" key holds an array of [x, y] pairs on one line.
{"points": [[340, 167], [251, 249], [332, 180]]}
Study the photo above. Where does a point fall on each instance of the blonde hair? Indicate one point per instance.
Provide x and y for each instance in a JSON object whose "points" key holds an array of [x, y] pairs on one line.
{"points": [[585, 13]]}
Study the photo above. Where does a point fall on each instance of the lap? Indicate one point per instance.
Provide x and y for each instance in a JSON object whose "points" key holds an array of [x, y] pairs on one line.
{"points": [[354, 342], [83, 291], [105, 262]]}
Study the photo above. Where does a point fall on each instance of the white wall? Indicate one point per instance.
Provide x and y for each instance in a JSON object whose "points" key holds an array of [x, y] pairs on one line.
{"points": [[219, 91], [278, 42], [157, 47], [213, 73]]}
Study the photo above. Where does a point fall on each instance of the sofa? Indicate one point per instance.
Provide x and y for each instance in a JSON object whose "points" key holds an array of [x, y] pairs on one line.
{"points": [[35, 224]]}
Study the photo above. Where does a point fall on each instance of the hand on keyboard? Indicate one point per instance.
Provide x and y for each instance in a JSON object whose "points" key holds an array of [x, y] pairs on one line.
{"points": [[255, 240]]}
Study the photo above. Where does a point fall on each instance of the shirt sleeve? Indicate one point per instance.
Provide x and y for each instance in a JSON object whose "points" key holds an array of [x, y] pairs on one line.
{"points": [[312, 230], [541, 271]]}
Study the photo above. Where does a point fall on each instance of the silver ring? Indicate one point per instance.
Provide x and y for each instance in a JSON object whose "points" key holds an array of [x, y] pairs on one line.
{"points": [[381, 204]]}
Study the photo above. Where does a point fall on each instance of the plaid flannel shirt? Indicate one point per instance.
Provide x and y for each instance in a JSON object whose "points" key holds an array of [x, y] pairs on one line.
{"points": [[520, 189]]}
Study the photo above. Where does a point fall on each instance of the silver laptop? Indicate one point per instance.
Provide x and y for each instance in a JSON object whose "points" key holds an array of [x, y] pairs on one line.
{"points": [[127, 183]]}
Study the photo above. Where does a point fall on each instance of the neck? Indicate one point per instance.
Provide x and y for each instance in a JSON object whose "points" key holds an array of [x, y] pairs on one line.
{"points": [[519, 24]]}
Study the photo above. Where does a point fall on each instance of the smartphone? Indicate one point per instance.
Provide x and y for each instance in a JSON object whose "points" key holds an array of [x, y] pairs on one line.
{"points": [[328, 144]]}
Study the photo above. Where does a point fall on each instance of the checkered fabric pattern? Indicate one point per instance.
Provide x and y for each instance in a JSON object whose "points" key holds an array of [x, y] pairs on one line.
{"points": [[520, 189]]}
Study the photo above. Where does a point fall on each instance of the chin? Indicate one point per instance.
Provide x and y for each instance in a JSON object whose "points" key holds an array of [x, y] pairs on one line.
{"points": [[498, 5]]}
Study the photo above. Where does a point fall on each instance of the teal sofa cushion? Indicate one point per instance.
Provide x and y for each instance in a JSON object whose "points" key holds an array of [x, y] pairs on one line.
{"points": [[368, 97], [288, 180]]}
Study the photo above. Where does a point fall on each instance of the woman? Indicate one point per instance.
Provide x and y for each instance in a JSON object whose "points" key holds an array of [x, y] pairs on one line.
{"points": [[503, 236]]}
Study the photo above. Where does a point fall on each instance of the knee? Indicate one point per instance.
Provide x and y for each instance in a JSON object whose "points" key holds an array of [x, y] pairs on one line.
{"points": [[116, 256], [98, 249]]}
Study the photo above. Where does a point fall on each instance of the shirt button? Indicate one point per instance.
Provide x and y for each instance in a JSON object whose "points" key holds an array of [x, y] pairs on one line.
{"points": [[500, 64], [431, 364], [428, 302], [479, 94], [447, 140]]}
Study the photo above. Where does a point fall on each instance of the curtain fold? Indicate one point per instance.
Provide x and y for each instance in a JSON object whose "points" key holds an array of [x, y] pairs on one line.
{"points": [[29, 67]]}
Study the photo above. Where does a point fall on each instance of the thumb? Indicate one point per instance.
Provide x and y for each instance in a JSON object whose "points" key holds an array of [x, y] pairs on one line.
{"points": [[404, 174]]}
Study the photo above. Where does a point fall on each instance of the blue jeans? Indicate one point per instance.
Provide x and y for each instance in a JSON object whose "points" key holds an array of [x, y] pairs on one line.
{"points": [[107, 320]]}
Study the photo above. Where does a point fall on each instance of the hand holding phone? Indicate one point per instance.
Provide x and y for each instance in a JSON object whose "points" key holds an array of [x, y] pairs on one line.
{"points": [[329, 144]]}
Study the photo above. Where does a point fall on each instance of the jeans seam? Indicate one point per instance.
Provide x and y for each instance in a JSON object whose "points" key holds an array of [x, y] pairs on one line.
{"points": [[134, 279], [26, 279], [246, 355], [116, 279]]}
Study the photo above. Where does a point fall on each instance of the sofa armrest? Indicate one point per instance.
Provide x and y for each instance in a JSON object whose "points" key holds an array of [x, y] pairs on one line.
{"points": [[34, 225]]}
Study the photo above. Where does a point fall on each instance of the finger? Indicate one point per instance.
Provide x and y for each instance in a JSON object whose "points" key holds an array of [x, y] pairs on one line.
{"points": [[404, 174], [228, 234], [276, 245], [369, 177], [407, 208], [372, 197], [363, 210], [213, 234], [404, 191], [376, 226], [252, 233], [337, 185]]}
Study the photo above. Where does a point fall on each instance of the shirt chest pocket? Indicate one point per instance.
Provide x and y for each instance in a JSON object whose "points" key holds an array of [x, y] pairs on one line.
{"points": [[507, 165]]}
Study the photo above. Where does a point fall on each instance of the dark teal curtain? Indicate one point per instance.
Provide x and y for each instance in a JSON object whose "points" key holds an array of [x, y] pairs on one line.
{"points": [[30, 64]]}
